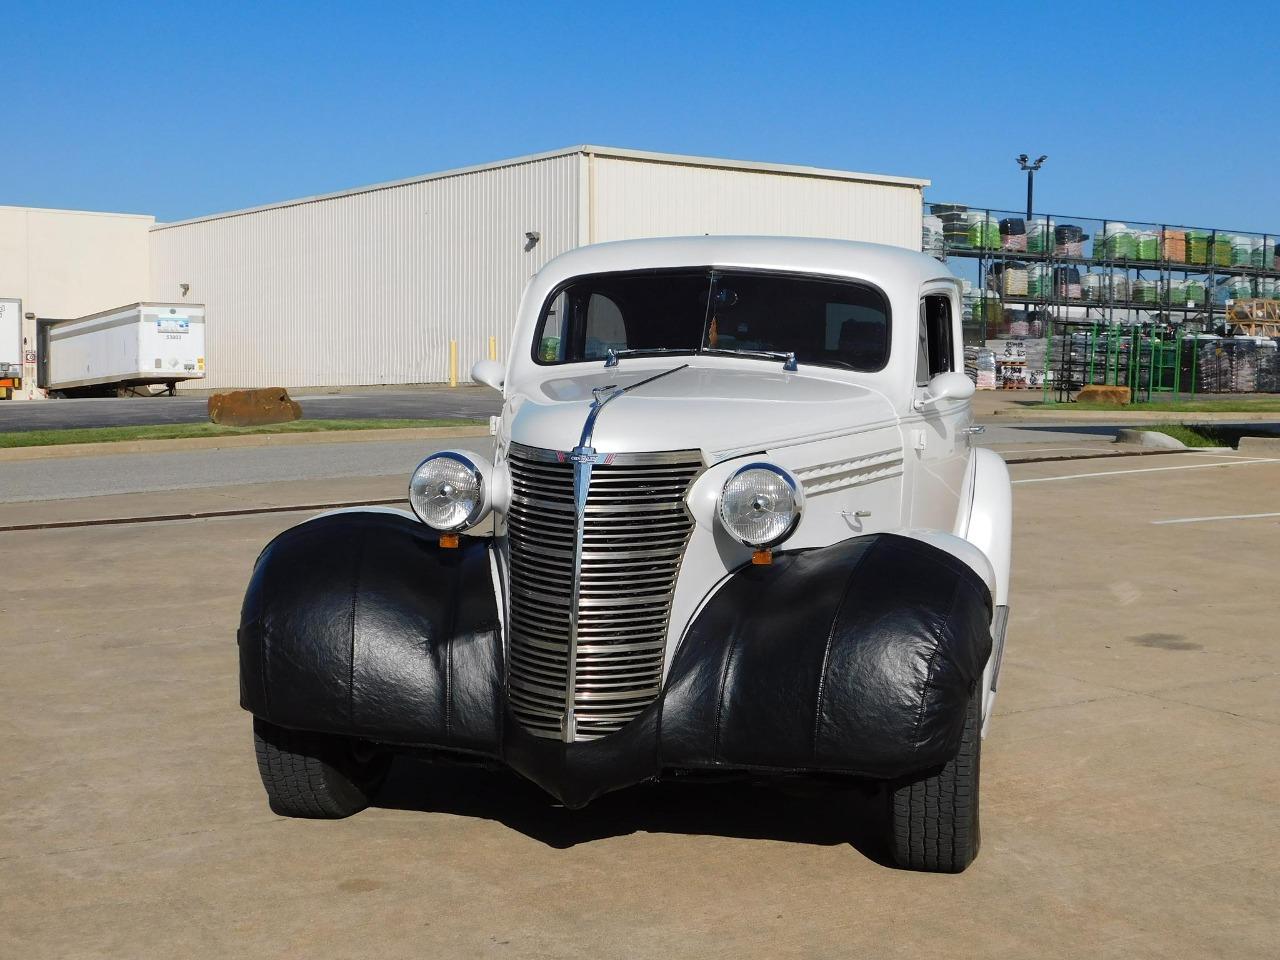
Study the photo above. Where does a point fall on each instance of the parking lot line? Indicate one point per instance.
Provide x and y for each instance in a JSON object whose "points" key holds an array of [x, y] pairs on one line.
{"points": [[1233, 516], [1112, 473]]}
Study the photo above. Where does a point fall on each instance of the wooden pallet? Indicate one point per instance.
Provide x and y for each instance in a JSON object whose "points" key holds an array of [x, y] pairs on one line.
{"points": [[1254, 318]]}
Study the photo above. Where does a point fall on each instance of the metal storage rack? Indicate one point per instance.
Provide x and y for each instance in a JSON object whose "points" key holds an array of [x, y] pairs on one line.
{"points": [[1202, 261]]}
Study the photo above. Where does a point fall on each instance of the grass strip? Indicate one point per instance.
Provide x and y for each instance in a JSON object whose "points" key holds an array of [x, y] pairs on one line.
{"points": [[1188, 435], [181, 431]]}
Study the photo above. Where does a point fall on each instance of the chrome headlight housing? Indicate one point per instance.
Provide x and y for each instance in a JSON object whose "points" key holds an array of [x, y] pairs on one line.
{"points": [[450, 491], [760, 505]]}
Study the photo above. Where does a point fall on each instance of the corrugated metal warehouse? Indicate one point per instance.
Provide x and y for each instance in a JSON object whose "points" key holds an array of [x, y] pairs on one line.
{"points": [[369, 286]]}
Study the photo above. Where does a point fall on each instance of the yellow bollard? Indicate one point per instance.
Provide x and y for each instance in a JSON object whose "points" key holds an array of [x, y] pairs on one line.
{"points": [[493, 348], [453, 363]]}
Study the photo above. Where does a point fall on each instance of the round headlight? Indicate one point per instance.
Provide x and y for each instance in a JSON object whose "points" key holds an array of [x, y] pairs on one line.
{"points": [[447, 492], [760, 505]]}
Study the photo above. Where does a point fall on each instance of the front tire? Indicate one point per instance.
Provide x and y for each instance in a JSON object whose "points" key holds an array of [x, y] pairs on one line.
{"points": [[314, 775], [934, 819]]}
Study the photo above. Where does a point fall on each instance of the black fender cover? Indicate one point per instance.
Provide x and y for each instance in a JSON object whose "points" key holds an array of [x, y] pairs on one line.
{"points": [[855, 658], [359, 623]]}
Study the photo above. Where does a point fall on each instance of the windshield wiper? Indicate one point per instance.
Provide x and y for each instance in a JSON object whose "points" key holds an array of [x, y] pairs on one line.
{"points": [[612, 357], [788, 358]]}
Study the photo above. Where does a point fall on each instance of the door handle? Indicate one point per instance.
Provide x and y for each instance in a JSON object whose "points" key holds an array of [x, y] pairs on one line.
{"points": [[974, 428]]}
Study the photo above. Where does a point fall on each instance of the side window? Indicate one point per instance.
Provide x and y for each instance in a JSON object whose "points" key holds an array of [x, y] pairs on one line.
{"points": [[551, 345], [936, 351]]}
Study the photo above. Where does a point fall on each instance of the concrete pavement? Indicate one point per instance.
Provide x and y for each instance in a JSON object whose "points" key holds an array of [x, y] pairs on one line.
{"points": [[1129, 795]]}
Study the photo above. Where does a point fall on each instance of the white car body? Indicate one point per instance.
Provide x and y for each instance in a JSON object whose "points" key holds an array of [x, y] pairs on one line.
{"points": [[874, 452]]}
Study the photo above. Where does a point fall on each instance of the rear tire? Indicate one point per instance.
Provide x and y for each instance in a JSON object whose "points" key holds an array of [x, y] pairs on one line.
{"points": [[315, 775], [934, 819]]}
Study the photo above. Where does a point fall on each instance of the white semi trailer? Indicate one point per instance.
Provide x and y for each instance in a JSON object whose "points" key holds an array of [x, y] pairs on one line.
{"points": [[139, 345]]}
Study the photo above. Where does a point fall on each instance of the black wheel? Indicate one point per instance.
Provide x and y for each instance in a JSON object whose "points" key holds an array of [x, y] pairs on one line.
{"points": [[934, 819], [316, 775]]}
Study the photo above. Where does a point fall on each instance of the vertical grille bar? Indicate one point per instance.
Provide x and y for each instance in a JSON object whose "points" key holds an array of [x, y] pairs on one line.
{"points": [[634, 534]]}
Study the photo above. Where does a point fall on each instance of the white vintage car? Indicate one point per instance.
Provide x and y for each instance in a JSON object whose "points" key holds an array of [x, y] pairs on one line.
{"points": [[739, 527]]}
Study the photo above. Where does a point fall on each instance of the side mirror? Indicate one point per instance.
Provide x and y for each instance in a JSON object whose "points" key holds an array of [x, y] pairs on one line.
{"points": [[947, 386], [489, 373]]}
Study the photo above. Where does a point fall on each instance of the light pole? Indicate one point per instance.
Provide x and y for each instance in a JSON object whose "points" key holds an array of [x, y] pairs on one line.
{"points": [[1031, 169]]}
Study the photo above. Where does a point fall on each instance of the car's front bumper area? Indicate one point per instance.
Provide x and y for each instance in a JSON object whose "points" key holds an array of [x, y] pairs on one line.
{"points": [[858, 658]]}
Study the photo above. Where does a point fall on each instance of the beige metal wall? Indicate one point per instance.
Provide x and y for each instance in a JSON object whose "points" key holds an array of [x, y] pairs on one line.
{"points": [[69, 263], [632, 198], [369, 287]]}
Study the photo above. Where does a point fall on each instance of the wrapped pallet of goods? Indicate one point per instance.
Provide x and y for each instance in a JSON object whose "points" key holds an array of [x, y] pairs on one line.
{"points": [[1239, 288], [1173, 245], [1268, 367], [1039, 281], [1093, 286], [986, 370], [1258, 252], [955, 228], [1198, 244], [933, 241], [1222, 250], [1117, 285], [1195, 292], [1040, 236], [1013, 234], [1066, 281], [1144, 291], [1147, 244], [1014, 280], [1068, 240], [984, 232], [1173, 292], [1241, 250]]}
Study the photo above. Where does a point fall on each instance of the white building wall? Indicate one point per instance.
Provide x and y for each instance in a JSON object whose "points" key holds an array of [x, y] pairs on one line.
{"points": [[69, 263], [368, 287], [635, 198]]}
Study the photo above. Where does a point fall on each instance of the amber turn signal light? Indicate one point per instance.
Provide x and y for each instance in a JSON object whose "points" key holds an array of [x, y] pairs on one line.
{"points": [[762, 558], [449, 541]]}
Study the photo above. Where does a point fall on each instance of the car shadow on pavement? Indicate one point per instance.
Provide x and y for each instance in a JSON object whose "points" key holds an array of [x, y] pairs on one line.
{"points": [[791, 810]]}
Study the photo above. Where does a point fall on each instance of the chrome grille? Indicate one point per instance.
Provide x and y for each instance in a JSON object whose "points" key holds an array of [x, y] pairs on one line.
{"points": [[634, 535]]}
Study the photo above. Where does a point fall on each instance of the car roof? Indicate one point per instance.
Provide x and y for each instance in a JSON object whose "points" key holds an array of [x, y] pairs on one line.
{"points": [[884, 265]]}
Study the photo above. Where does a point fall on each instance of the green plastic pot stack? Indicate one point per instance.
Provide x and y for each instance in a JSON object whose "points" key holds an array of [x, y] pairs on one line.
{"points": [[1144, 291], [1195, 291], [1147, 246]]}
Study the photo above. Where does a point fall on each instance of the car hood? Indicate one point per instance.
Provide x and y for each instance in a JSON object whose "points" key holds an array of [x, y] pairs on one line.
{"points": [[723, 412]]}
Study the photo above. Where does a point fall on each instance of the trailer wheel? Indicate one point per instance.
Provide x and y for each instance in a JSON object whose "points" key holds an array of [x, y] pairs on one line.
{"points": [[934, 819], [315, 775]]}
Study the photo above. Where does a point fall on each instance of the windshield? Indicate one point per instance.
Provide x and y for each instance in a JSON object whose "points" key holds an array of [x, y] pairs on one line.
{"points": [[837, 323]]}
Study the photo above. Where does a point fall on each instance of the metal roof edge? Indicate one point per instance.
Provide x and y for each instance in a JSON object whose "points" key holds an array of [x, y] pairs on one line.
{"points": [[586, 149], [79, 213], [757, 166], [385, 185]]}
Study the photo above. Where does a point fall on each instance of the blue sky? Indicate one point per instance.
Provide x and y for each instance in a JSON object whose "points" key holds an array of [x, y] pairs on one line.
{"points": [[1148, 111]]}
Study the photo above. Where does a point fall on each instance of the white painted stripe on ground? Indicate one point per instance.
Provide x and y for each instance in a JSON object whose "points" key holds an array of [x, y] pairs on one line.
{"points": [[1233, 516], [1112, 473], [1018, 448]]}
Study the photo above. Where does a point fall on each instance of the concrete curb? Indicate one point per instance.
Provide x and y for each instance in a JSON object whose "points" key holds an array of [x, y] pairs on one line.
{"points": [[1149, 438], [1267, 445], [69, 450], [1120, 415]]}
